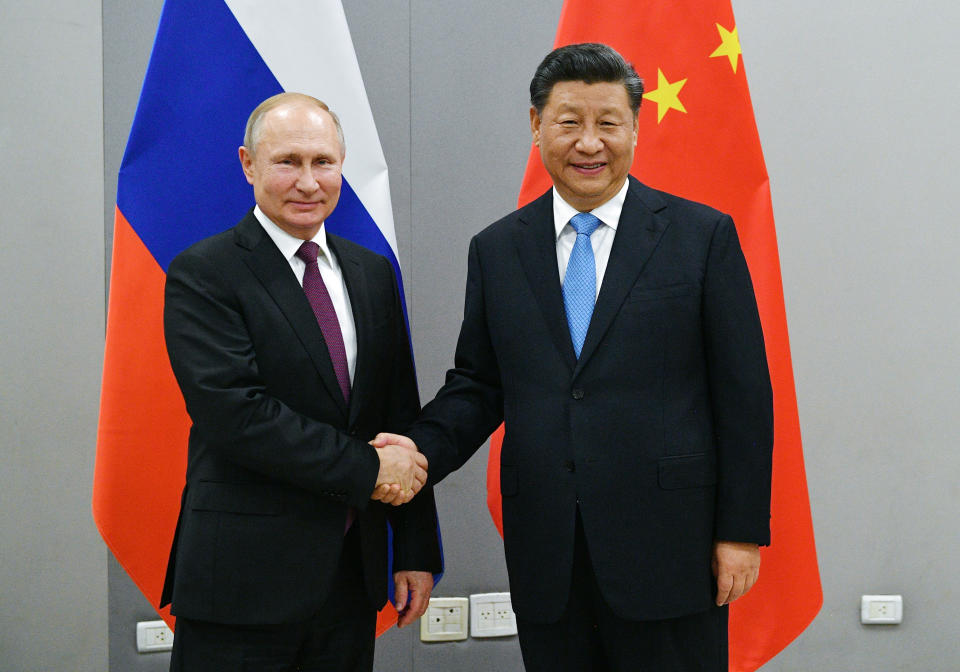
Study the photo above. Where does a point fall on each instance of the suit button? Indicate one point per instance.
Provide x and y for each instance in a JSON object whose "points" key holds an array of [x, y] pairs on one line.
{"points": [[353, 432], [569, 466], [577, 394]]}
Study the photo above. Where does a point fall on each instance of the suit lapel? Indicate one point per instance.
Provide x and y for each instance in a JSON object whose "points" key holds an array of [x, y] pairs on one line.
{"points": [[638, 233], [267, 263], [358, 291], [536, 241]]}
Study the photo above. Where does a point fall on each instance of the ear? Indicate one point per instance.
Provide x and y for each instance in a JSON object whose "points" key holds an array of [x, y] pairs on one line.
{"points": [[246, 161], [535, 125]]}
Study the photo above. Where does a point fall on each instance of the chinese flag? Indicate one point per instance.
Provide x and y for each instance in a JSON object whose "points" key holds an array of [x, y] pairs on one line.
{"points": [[698, 139]]}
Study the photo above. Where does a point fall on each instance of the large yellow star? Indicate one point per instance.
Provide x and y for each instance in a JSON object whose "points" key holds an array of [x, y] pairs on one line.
{"points": [[729, 46], [666, 95]]}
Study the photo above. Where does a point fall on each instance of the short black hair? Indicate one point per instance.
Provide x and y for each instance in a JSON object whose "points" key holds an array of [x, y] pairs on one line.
{"points": [[588, 62]]}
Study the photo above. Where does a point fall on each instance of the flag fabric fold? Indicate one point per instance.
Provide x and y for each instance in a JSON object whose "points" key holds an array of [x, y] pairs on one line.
{"points": [[698, 139], [180, 181]]}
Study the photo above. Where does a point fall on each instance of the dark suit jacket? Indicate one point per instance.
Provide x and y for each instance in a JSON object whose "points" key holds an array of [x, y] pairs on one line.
{"points": [[661, 432], [275, 455]]}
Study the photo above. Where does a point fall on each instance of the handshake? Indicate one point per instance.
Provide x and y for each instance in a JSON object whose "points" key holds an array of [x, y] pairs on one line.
{"points": [[403, 469]]}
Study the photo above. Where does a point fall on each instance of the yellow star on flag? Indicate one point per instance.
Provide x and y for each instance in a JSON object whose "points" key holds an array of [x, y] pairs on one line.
{"points": [[729, 46], [666, 95]]}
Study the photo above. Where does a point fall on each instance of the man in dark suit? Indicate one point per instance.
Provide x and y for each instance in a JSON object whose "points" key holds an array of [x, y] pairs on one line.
{"points": [[614, 330], [290, 349]]}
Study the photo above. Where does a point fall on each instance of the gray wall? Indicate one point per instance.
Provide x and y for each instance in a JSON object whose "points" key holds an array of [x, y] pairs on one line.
{"points": [[856, 109], [856, 104], [53, 578]]}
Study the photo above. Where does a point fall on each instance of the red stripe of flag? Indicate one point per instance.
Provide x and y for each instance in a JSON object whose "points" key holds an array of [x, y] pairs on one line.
{"points": [[142, 437], [698, 139]]}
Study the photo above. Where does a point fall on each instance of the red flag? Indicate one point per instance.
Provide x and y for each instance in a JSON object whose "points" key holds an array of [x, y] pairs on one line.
{"points": [[698, 139]]}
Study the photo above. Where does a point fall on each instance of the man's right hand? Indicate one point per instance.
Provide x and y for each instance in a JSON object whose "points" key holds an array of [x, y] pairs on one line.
{"points": [[403, 471]]}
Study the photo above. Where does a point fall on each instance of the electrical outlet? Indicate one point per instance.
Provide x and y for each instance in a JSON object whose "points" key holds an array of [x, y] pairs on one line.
{"points": [[485, 615], [445, 620], [881, 609], [492, 615], [503, 617], [153, 636]]}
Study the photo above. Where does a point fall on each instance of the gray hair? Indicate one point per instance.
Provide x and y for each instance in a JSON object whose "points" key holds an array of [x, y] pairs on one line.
{"points": [[251, 134]]}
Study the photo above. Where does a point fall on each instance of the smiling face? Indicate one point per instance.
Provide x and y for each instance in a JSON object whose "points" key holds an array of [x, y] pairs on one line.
{"points": [[295, 167], [586, 134]]}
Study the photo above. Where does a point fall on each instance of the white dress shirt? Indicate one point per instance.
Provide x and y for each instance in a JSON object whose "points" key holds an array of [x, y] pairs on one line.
{"points": [[329, 271], [601, 239]]}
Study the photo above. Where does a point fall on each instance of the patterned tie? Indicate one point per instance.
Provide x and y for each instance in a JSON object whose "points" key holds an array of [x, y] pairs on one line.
{"points": [[580, 281], [319, 299]]}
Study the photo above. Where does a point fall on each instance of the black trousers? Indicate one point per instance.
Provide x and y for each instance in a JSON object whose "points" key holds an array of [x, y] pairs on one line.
{"points": [[589, 637], [339, 638]]}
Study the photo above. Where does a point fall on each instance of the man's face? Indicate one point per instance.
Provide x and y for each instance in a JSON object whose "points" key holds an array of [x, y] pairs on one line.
{"points": [[295, 168], [587, 134]]}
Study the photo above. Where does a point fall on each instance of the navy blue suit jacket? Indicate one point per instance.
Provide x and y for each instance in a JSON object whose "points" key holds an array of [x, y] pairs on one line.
{"points": [[275, 455], [661, 432]]}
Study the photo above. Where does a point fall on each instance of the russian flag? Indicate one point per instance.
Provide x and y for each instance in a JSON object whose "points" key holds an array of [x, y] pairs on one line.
{"points": [[213, 61]]}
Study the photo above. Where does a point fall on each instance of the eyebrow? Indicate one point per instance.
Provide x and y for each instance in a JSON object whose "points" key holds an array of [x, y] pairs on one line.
{"points": [[299, 155], [573, 107]]}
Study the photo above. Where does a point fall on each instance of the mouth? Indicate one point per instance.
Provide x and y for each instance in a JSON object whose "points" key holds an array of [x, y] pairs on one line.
{"points": [[591, 168]]}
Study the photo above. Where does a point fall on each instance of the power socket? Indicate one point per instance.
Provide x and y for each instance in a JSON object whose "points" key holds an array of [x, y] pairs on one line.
{"points": [[491, 615], [881, 609], [445, 620], [153, 636]]}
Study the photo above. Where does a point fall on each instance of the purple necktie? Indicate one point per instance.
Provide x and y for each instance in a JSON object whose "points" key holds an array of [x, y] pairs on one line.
{"points": [[319, 299]]}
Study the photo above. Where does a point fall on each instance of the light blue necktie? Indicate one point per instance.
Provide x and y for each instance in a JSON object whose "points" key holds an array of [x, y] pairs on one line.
{"points": [[580, 281]]}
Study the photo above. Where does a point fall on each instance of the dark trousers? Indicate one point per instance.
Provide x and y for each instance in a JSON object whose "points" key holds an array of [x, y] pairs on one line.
{"points": [[589, 637], [339, 638]]}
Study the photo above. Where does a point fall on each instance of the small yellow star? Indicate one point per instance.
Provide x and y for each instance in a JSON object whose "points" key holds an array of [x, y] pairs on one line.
{"points": [[666, 95], [729, 46]]}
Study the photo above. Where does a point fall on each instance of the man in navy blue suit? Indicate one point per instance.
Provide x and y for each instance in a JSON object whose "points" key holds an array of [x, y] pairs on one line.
{"points": [[290, 347], [614, 330]]}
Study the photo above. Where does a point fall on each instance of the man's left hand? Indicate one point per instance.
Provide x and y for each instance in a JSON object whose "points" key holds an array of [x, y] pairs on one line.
{"points": [[412, 595], [737, 567]]}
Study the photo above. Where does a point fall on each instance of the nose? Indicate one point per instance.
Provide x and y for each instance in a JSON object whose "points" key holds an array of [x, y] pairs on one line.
{"points": [[306, 181], [589, 141]]}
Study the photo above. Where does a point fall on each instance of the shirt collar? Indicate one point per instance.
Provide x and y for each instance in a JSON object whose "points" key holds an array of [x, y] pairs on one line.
{"points": [[608, 213], [287, 244]]}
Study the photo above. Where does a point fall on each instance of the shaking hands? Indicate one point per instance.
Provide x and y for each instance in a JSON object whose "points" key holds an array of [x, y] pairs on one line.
{"points": [[403, 469]]}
